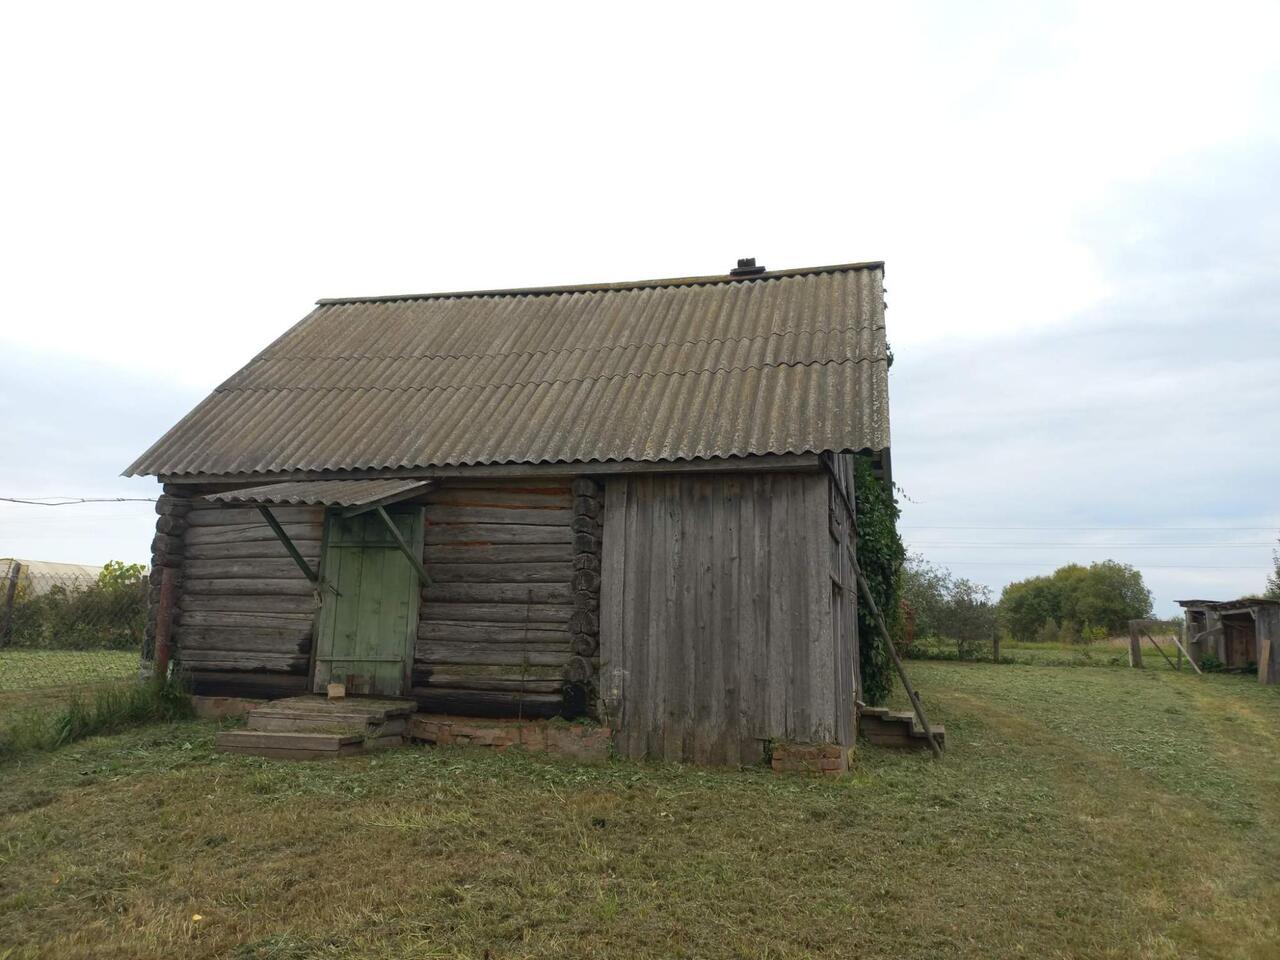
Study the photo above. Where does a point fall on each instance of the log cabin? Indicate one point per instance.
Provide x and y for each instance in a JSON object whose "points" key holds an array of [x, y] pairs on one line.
{"points": [[629, 501]]}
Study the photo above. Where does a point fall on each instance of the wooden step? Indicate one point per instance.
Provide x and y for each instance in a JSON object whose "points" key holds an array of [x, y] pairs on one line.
{"points": [[326, 723], [289, 745]]}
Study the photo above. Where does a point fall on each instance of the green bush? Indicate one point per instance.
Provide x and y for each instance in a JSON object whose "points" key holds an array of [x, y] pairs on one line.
{"points": [[109, 613]]}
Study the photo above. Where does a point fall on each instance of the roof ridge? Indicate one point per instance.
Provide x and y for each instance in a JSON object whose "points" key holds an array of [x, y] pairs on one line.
{"points": [[600, 348], [619, 287], [527, 383]]}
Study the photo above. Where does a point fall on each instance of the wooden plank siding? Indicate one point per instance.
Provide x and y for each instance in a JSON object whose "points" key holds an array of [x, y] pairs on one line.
{"points": [[716, 616], [493, 627], [245, 611]]}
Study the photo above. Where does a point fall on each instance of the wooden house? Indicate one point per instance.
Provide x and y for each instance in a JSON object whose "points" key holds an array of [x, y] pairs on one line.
{"points": [[627, 500]]}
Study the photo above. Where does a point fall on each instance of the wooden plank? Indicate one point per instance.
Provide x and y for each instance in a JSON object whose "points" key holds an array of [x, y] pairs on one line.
{"points": [[452, 681], [249, 550], [487, 703], [613, 652], [498, 612], [295, 587], [492, 632], [500, 498], [513, 593], [240, 603], [499, 553], [483, 534], [295, 739], [242, 568], [220, 618], [265, 639], [250, 532], [542, 655], [243, 661], [554, 572], [558, 516], [218, 683], [226, 516]]}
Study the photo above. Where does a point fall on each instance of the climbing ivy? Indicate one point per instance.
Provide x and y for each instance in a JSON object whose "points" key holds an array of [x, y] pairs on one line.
{"points": [[880, 555]]}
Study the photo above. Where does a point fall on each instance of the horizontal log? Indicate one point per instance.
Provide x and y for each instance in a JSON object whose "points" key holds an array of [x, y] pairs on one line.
{"points": [[509, 686], [558, 516], [252, 549], [486, 703], [586, 507], [585, 644], [253, 587], [583, 524], [481, 632], [480, 671], [171, 506], [498, 612], [248, 532], [435, 654], [485, 534], [218, 683], [544, 485], [203, 516], [239, 603], [500, 553], [585, 543], [586, 487], [251, 621], [262, 639], [587, 580], [243, 661], [555, 498], [514, 593], [584, 621], [546, 572], [171, 526], [267, 568]]}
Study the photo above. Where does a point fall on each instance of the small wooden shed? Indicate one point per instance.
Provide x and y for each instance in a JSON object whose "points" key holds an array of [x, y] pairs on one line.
{"points": [[1240, 634], [625, 500]]}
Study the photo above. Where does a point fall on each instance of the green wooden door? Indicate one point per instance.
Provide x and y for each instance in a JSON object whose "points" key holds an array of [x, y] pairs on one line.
{"points": [[368, 626]]}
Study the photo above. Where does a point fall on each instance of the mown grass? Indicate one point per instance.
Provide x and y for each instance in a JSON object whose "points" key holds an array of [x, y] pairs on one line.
{"points": [[1079, 813], [24, 670]]}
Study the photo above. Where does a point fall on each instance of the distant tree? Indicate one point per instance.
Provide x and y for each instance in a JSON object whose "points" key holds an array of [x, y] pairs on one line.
{"points": [[947, 607], [1080, 600], [1273, 581], [1027, 605]]}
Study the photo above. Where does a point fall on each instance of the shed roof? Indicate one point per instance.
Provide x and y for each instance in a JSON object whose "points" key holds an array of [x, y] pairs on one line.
{"points": [[334, 493], [788, 361]]}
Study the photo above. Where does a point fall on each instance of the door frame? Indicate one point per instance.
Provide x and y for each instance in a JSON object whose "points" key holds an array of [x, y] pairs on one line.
{"points": [[416, 541]]}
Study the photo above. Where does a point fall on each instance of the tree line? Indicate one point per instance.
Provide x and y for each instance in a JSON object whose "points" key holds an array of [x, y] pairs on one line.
{"points": [[1074, 604]]}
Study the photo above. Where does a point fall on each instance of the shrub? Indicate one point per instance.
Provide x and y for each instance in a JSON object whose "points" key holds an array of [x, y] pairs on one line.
{"points": [[880, 555], [109, 613]]}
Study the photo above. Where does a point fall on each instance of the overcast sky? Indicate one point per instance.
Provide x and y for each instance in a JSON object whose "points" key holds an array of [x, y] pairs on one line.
{"points": [[1078, 207]]}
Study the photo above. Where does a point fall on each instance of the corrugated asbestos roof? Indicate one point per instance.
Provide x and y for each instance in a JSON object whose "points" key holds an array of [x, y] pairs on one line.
{"points": [[784, 362], [337, 493]]}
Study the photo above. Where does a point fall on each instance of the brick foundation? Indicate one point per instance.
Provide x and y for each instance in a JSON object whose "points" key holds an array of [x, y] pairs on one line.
{"points": [[817, 759], [582, 742]]}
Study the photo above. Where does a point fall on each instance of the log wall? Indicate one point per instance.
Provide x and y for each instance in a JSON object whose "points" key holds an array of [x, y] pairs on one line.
{"points": [[716, 616], [494, 633], [246, 612]]}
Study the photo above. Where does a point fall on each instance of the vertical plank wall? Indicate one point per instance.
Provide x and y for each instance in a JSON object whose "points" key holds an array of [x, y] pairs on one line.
{"points": [[716, 616], [844, 594], [245, 609], [493, 629]]}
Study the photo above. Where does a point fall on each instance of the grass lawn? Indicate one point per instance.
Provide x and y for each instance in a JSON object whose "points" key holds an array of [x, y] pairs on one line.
{"points": [[42, 679], [1090, 812]]}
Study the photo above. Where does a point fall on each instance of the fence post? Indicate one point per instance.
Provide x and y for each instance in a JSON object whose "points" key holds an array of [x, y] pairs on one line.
{"points": [[10, 597], [1135, 645]]}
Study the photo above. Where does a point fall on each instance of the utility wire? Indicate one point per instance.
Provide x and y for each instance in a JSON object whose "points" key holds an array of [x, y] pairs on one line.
{"points": [[72, 501]]}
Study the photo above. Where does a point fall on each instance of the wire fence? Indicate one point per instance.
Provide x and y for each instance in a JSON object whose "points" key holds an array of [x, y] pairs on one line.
{"points": [[68, 633]]}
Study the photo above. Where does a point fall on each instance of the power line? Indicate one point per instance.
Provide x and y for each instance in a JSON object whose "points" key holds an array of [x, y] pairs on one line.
{"points": [[72, 501], [1046, 563], [1100, 545], [918, 526]]}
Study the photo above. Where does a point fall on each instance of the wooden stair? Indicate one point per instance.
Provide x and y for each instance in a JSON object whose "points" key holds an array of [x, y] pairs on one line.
{"points": [[890, 728], [313, 727]]}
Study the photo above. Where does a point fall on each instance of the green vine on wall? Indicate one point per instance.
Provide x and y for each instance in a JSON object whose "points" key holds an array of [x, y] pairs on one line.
{"points": [[880, 555]]}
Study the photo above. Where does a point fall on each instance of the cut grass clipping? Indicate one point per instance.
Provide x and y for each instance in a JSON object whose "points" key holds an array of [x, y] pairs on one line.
{"points": [[1082, 813], [106, 709]]}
